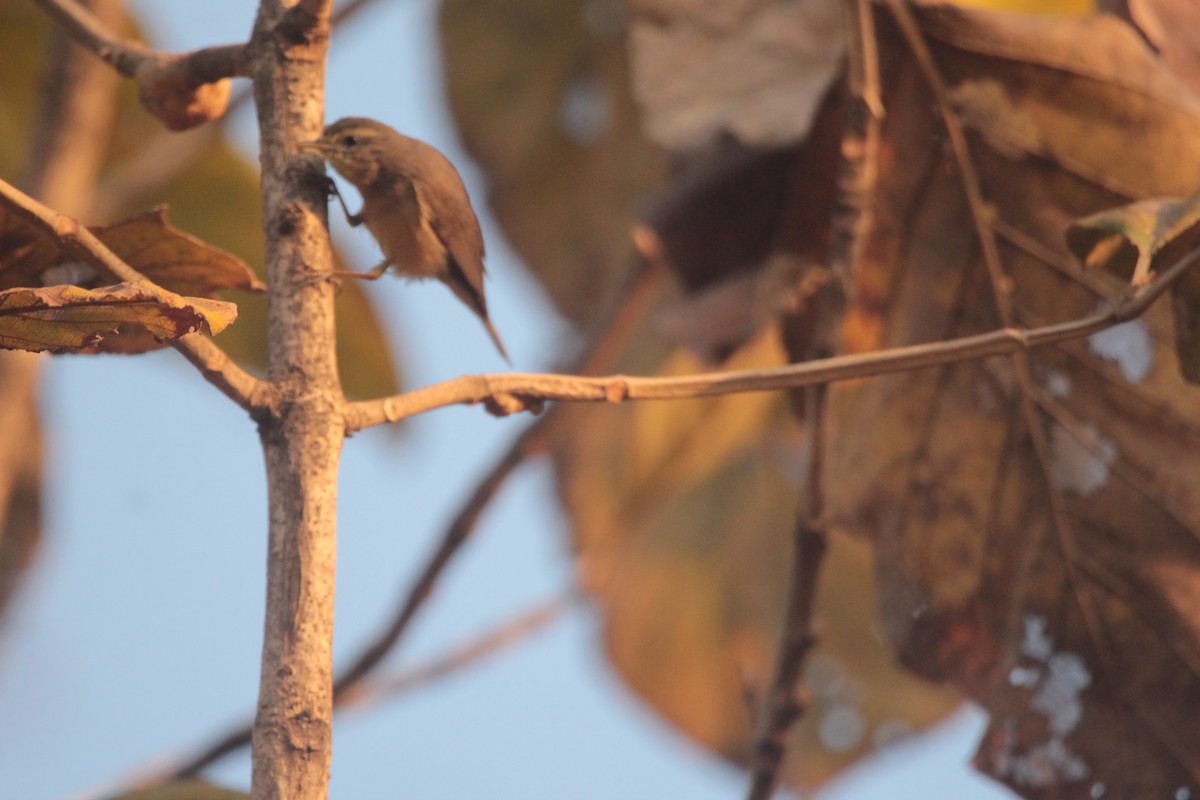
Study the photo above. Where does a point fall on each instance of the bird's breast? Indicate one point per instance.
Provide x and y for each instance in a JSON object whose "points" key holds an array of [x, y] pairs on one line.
{"points": [[405, 236]]}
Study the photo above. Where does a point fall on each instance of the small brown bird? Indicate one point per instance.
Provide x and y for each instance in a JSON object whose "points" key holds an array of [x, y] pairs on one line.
{"points": [[414, 204]]}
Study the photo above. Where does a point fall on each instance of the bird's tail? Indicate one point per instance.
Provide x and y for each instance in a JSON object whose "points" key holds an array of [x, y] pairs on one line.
{"points": [[491, 329]]}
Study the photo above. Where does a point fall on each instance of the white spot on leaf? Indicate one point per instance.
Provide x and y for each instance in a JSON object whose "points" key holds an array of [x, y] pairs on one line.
{"points": [[1058, 695], [1058, 687], [825, 675], [76, 273], [1036, 644], [1129, 345], [1024, 676], [1058, 384], [586, 110], [1047, 764], [842, 728], [1080, 458]]}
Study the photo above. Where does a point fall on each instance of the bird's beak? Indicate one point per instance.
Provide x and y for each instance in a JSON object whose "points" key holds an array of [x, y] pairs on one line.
{"points": [[317, 145]]}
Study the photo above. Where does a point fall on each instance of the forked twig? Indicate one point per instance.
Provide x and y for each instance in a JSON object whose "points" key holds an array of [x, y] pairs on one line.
{"points": [[631, 307], [168, 154], [509, 392], [217, 368]]}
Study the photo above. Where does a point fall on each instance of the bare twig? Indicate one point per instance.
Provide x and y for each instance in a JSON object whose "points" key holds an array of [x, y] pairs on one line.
{"points": [[858, 173], [206, 66], [785, 701], [90, 32], [235, 383], [510, 392], [168, 154], [182, 90], [605, 347], [375, 690]]}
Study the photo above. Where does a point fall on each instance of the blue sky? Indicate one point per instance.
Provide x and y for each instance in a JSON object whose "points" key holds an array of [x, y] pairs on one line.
{"points": [[138, 634]]}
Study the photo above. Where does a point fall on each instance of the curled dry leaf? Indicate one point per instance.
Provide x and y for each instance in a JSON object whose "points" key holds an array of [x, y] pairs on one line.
{"points": [[1136, 238], [175, 259], [70, 319], [168, 256], [32, 254], [1052, 573]]}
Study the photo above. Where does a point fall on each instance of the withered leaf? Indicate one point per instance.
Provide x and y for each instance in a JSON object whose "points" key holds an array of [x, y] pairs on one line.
{"points": [[122, 318], [1038, 544], [681, 513], [540, 92], [755, 70], [1139, 237], [30, 255], [68, 318], [173, 258], [1173, 27]]}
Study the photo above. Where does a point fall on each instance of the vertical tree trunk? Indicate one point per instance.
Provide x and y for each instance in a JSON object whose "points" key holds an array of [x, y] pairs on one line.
{"points": [[292, 738]]}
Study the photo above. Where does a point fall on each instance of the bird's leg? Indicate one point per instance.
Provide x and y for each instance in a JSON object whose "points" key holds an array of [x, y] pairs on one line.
{"points": [[335, 276], [369, 275], [331, 190]]}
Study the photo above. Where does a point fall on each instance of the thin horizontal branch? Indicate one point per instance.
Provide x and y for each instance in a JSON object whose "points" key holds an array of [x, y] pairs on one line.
{"points": [[205, 66], [602, 351], [512, 392], [247, 391]]}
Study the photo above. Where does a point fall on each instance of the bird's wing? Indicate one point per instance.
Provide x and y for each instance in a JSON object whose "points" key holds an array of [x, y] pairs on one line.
{"points": [[446, 207]]}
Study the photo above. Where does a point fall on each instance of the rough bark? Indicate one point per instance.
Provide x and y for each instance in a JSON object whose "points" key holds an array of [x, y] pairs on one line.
{"points": [[292, 739]]}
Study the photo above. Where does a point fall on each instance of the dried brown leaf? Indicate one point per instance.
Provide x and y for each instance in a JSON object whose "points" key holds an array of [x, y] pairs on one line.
{"points": [[1137, 238], [1058, 586], [1173, 27], [681, 512], [68, 318], [30, 256], [755, 70], [175, 259], [540, 91]]}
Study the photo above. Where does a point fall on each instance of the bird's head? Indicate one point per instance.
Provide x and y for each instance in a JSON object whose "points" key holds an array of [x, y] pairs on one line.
{"points": [[356, 147]]}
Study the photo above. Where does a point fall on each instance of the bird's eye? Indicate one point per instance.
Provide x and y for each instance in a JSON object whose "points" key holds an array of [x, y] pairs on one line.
{"points": [[349, 140]]}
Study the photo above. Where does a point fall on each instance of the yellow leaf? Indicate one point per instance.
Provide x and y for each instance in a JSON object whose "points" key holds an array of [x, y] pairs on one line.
{"points": [[67, 318]]}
